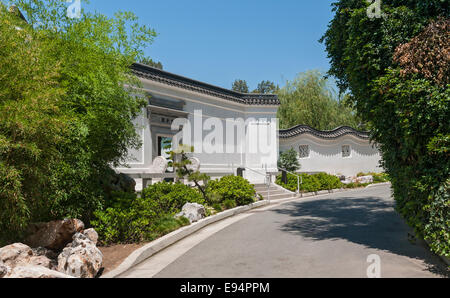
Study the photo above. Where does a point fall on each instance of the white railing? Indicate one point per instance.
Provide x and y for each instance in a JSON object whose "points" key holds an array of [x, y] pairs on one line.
{"points": [[267, 179], [299, 178]]}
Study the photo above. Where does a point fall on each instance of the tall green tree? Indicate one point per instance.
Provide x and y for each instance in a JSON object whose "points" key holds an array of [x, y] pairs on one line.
{"points": [[310, 99], [240, 86], [266, 87], [289, 161], [396, 68], [69, 81]]}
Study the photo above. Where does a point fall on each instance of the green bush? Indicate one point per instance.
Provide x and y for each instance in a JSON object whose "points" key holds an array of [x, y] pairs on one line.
{"points": [[171, 197], [231, 188], [229, 204], [128, 218], [309, 183], [328, 182], [355, 185]]}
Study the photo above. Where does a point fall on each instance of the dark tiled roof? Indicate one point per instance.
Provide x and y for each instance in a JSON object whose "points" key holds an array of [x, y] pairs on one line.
{"points": [[171, 79], [330, 134]]}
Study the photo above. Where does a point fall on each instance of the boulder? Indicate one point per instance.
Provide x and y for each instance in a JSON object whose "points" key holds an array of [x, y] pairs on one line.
{"points": [[42, 251], [193, 211], [31, 271], [4, 270], [19, 254], [81, 258], [44, 262], [53, 235], [92, 235], [15, 254]]}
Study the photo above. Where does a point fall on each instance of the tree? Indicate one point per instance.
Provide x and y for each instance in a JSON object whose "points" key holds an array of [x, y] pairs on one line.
{"points": [[289, 161], [266, 87], [240, 86], [310, 100], [396, 68], [66, 116], [31, 123], [148, 61]]}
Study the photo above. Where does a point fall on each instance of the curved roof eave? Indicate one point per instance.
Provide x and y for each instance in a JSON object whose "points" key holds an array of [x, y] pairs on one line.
{"points": [[161, 76]]}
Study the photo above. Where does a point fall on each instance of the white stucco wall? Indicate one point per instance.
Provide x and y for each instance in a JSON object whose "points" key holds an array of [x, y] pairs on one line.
{"points": [[326, 155], [262, 133]]}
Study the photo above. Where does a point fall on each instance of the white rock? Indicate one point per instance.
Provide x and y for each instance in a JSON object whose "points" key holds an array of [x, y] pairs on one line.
{"points": [[81, 258], [15, 254], [192, 211], [4, 270], [364, 179], [34, 272], [91, 234]]}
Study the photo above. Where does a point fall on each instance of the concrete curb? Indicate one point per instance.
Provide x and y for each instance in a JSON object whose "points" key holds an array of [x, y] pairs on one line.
{"points": [[152, 248], [378, 184]]}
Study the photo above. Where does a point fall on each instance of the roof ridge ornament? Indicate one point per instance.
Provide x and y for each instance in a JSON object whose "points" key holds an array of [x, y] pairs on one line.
{"points": [[323, 134]]}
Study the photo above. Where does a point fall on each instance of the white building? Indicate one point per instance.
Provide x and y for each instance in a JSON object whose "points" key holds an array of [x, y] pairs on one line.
{"points": [[229, 130]]}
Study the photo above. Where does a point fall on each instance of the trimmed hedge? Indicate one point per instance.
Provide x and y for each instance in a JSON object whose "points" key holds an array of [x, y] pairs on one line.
{"points": [[311, 183], [230, 189]]}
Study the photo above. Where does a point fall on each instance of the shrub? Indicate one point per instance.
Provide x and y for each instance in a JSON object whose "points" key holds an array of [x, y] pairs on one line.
{"points": [[231, 188], [229, 204], [328, 182], [309, 183], [129, 219], [171, 197], [355, 185]]}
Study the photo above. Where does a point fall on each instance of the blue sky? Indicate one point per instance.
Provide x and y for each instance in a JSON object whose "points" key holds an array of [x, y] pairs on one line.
{"points": [[218, 41]]}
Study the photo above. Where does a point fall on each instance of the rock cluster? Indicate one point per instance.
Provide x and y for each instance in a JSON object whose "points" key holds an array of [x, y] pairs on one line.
{"points": [[79, 258], [360, 180], [193, 211]]}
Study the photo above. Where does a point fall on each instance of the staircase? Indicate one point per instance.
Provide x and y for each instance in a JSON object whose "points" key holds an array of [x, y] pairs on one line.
{"points": [[276, 192]]}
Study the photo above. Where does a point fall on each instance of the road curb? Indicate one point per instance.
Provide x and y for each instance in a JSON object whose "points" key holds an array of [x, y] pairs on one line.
{"points": [[143, 253], [378, 184]]}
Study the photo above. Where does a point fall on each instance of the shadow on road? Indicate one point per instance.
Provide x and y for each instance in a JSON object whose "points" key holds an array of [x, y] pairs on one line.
{"points": [[369, 221]]}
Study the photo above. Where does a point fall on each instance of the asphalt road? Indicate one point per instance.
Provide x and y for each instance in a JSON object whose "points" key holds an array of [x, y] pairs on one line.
{"points": [[331, 236]]}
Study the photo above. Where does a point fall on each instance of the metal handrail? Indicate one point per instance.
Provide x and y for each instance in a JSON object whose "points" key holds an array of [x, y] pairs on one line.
{"points": [[299, 178], [267, 177], [254, 171]]}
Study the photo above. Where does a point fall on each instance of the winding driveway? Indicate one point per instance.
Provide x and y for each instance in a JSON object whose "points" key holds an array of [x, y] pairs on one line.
{"points": [[327, 236]]}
